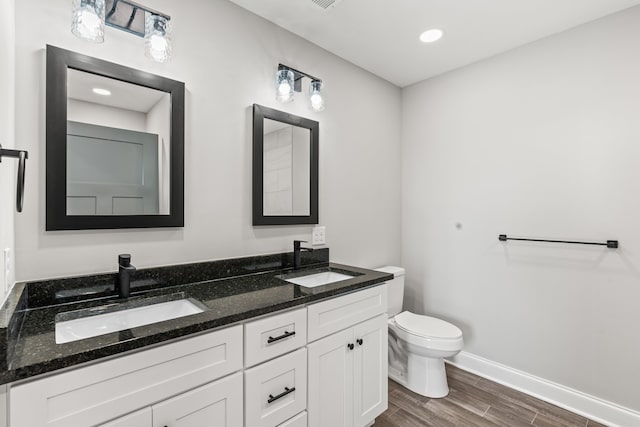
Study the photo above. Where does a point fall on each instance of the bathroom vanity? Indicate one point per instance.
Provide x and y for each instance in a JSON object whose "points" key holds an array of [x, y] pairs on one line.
{"points": [[264, 351]]}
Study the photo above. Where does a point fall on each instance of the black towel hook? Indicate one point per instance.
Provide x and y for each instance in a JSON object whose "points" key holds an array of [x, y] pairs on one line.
{"points": [[22, 157]]}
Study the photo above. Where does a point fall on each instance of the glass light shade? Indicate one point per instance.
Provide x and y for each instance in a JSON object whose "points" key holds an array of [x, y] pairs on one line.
{"points": [[316, 98], [88, 20], [157, 37], [284, 85]]}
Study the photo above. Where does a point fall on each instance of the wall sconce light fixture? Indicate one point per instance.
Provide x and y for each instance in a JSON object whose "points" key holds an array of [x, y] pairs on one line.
{"points": [[289, 80], [90, 17]]}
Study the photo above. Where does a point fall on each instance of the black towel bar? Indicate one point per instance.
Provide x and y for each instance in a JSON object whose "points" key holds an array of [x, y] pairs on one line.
{"points": [[22, 157], [611, 244]]}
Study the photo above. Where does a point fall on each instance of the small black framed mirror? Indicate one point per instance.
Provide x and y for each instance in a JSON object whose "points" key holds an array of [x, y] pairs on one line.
{"points": [[114, 145], [285, 168]]}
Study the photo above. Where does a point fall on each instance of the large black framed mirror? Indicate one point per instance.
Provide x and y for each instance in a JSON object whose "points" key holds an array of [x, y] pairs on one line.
{"points": [[285, 168], [114, 145]]}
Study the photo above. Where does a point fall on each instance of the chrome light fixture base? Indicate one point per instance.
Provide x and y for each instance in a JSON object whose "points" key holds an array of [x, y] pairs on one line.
{"points": [[129, 16]]}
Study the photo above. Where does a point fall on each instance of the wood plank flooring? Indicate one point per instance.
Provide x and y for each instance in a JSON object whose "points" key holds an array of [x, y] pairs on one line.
{"points": [[474, 401]]}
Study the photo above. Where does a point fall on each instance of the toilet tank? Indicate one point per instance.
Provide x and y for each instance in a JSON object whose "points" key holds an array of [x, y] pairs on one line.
{"points": [[395, 289]]}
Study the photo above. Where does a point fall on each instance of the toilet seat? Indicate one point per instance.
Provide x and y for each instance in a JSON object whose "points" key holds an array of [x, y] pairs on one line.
{"points": [[452, 341], [427, 327]]}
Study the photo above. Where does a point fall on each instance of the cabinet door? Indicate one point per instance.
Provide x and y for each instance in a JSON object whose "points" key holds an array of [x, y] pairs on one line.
{"points": [[370, 370], [140, 418], [218, 404], [330, 387]]}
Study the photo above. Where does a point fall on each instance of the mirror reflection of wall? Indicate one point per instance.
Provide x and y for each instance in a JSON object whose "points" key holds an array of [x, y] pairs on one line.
{"points": [[286, 169], [118, 146]]}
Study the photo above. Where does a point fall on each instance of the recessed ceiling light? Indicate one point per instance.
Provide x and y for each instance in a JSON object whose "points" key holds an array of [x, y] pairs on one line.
{"points": [[431, 36], [100, 91]]}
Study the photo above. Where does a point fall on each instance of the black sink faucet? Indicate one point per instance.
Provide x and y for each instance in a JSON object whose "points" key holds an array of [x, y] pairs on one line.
{"points": [[125, 270], [296, 253]]}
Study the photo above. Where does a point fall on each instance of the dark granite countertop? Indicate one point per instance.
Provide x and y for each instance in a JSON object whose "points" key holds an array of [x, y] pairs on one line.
{"points": [[231, 291]]}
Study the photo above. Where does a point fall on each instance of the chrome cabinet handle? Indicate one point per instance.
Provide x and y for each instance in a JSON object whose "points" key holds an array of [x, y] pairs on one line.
{"points": [[281, 337], [286, 391]]}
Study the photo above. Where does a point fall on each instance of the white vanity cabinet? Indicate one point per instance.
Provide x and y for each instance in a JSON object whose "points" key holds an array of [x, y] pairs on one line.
{"points": [[348, 368], [320, 365], [96, 394]]}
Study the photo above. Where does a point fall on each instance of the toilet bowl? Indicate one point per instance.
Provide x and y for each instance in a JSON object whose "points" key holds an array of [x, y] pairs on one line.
{"points": [[418, 344]]}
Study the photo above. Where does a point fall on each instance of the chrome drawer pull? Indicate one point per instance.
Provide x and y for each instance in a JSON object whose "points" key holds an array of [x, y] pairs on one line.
{"points": [[281, 337], [286, 391]]}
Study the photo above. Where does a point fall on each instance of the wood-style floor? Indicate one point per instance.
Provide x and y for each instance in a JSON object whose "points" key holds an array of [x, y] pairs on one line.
{"points": [[475, 402]]}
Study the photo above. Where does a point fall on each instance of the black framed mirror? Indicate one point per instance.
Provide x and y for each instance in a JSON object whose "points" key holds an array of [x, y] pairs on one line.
{"points": [[114, 145], [285, 168]]}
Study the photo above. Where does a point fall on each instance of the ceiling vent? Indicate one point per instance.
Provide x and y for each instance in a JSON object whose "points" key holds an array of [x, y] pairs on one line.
{"points": [[326, 4]]}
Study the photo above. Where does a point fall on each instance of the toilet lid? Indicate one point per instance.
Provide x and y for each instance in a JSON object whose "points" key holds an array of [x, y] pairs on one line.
{"points": [[426, 326]]}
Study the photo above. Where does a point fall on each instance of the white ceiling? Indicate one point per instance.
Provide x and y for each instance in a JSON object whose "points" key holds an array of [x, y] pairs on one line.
{"points": [[381, 36]]}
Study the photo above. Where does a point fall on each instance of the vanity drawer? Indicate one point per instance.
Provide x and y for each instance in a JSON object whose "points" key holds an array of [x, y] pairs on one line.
{"points": [[327, 317], [276, 391], [131, 382], [299, 420], [273, 336]]}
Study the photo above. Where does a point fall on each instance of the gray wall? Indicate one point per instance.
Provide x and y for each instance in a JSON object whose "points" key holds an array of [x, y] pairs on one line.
{"points": [[7, 139], [227, 57], [543, 141]]}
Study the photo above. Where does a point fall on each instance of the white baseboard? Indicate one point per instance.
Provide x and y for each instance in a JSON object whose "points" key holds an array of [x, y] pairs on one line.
{"points": [[573, 400]]}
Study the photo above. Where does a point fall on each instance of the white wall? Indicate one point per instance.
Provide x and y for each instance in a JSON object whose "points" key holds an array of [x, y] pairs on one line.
{"points": [[277, 165], [157, 123], [543, 141], [7, 139], [3, 406], [300, 171], [105, 115], [227, 57]]}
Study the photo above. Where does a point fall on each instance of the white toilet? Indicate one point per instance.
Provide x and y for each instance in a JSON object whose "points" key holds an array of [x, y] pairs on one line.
{"points": [[418, 344]]}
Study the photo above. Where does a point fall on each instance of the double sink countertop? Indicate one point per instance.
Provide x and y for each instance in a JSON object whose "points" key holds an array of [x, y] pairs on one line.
{"points": [[230, 291]]}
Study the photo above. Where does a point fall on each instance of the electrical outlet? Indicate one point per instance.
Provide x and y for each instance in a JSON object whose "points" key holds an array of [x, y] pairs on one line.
{"points": [[318, 235]]}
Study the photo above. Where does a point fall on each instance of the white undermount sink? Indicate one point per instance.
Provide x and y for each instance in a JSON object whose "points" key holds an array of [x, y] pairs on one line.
{"points": [[319, 279], [100, 324]]}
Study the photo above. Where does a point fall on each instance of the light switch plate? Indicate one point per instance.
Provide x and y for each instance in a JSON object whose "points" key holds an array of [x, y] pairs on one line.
{"points": [[318, 235]]}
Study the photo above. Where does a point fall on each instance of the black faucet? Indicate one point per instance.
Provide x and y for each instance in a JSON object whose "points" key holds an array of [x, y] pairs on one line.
{"points": [[296, 253], [125, 270]]}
